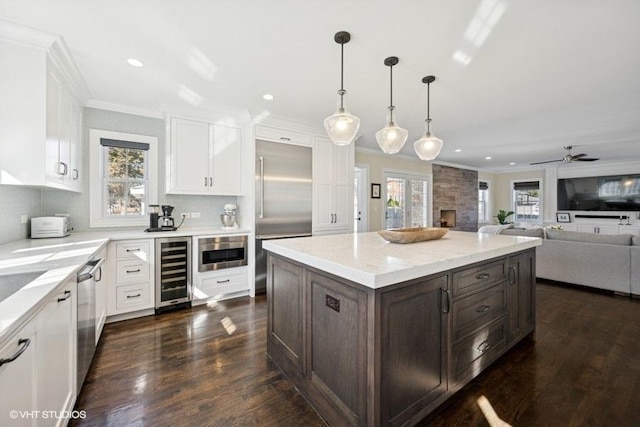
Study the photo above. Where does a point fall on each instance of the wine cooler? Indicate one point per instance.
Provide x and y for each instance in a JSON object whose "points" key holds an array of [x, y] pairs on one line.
{"points": [[173, 273]]}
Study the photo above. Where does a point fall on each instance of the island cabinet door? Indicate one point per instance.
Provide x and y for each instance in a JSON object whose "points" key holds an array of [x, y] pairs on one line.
{"points": [[415, 348], [521, 294], [338, 348], [285, 292]]}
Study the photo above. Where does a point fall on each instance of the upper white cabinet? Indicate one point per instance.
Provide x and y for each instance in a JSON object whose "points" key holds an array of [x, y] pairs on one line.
{"points": [[204, 158], [40, 111], [333, 187]]}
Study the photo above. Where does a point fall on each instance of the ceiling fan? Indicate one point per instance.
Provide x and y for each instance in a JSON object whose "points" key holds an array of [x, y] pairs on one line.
{"points": [[568, 158]]}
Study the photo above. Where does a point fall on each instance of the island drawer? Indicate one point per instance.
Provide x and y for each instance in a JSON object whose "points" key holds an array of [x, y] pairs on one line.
{"points": [[479, 276], [479, 309], [475, 353], [140, 249]]}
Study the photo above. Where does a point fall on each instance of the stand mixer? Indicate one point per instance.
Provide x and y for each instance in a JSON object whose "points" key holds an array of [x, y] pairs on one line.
{"points": [[230, 216]]}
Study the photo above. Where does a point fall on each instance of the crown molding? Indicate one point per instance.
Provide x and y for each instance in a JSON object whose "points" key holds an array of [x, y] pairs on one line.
{"points": [[118, 108]]}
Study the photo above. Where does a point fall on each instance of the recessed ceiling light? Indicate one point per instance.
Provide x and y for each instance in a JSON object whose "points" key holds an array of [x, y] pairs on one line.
{"points": [[267, 97], [488, 158], [135, 62], [512, 163], [458, 150]]}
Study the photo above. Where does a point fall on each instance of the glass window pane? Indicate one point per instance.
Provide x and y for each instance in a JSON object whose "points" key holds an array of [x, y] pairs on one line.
{"points": [[418, 203], [395, 203], [116, 162], [136, 197], [116, 198]]}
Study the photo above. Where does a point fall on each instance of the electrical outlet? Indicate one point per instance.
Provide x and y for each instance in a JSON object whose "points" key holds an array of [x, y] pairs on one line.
{"points": [[195, 214], [24, 219], [185, 215]]}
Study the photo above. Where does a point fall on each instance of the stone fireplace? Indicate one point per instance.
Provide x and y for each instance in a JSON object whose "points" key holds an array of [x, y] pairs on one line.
{"points": [[455, 190]]}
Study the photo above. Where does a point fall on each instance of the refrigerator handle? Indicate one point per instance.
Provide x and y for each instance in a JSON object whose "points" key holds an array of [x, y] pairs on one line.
{"points": [[261, 214]]}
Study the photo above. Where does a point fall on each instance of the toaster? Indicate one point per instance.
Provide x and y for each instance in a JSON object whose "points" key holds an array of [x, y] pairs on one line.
{"points": [[50, 226]]}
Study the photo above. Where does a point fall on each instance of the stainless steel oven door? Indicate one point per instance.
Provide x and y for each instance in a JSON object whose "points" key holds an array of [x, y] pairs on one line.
{"points": [[215, 253]]}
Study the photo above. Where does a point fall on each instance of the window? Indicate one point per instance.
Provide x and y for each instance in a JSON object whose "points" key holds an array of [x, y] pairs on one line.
{"points": [[484, 216], [123, 178], [527, 201], [407, 200]]}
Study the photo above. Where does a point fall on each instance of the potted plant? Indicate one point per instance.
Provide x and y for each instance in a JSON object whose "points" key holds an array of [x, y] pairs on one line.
{"points": [[503, 215]]}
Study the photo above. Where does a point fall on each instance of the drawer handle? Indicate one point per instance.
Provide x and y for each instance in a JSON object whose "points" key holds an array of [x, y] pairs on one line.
{"points": [[133, 250], [134, 296], [446, 307], [24, 342], [483, 276], [223, 281], [484, 346], [483, 308], [133, 271], [67, 294]]}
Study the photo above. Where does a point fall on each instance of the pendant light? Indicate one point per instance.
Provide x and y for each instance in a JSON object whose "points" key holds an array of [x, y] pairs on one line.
{"points": [[428, 147], [342, 126], [391, 138]]}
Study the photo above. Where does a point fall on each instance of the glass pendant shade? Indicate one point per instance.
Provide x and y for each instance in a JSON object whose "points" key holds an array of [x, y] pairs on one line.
{"points": [[342, 126], [428, 147], [391, 138]]}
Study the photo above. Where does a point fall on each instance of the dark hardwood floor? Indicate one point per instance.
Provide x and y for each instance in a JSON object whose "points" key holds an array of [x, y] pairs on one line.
{"points": [[208, 366]]}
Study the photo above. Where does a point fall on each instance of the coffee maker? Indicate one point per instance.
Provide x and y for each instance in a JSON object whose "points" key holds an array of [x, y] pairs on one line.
{"points": [[162, 222], [166, 221]]}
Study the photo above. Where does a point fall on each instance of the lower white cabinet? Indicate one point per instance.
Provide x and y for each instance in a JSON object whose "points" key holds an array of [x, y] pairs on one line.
{"points": [[38, 364], [56, 350], [130, 279], [18, 381], [218, 284], [598, 229]]}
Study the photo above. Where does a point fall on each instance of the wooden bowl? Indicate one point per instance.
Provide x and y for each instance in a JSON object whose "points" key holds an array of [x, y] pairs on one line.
{"points": [[413, 235]]}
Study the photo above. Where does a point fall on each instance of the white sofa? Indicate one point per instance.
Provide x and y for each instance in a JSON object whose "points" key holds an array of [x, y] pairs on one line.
{"points": [[603, 261], [598, 260]]}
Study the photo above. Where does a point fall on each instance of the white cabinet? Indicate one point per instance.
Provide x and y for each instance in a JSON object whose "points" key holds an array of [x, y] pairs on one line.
{"points": [[40, 118], [204, 158], [18, 381], [333, 187], [38, 367], [597, 229], [56, 364], [220, 283], [130, 282]]}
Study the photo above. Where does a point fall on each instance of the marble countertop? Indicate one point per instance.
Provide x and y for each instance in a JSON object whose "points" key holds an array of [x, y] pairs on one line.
{"points": [[57, 259], [368, 259]]}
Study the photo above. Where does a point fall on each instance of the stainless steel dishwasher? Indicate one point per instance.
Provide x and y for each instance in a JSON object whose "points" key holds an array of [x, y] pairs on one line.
{"points": [[87, 278]]}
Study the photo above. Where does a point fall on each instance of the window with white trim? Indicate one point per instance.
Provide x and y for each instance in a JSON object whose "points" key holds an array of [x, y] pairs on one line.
{"points": [[408, 200], [484, 215], [527, 201], [123, 178]]}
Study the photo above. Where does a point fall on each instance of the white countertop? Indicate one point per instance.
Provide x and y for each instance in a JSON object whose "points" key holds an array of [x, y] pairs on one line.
{"points": [[368, 259], [59, 258]]}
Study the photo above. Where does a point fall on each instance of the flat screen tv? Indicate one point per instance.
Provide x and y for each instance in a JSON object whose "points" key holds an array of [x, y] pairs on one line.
{"points": [[600, 193]]}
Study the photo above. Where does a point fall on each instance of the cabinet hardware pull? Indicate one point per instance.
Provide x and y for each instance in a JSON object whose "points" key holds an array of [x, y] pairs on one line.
{"points": [[98, 276], [284, 138], [76, 174], [483, 276], [134, 296], [512, 269], [446, 307], [65, 168], [210, 182], [205, 181], [484, 346], [133, 271], [223, 281], [483, 308], [133, 250], [67, 294], [261, 160], [24, 342]]}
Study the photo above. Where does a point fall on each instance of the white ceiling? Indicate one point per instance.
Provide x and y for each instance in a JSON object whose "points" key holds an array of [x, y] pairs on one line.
{"points": [[516, 80]]}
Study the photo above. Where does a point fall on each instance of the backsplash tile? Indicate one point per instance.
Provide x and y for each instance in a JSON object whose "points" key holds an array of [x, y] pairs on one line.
{"points": [[16, 201]]}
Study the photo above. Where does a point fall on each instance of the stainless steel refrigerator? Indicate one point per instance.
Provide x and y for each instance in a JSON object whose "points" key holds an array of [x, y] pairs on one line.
{"points": [[283, 197]]}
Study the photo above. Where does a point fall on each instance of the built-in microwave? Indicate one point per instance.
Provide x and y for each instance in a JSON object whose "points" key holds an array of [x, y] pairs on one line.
{"points": [[215, 253]]}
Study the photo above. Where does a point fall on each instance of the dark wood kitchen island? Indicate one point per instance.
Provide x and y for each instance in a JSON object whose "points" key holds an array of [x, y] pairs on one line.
{"points": [[375, 333]]}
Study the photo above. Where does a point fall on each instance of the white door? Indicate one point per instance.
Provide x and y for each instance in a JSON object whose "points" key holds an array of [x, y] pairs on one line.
{"points": [[407, 200], [360, 200]]}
